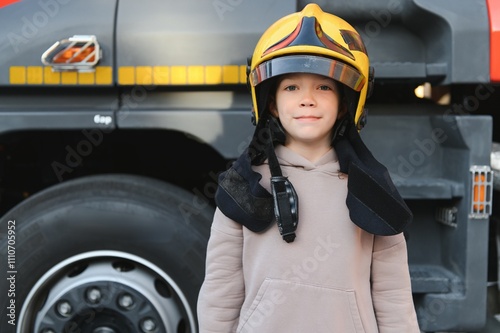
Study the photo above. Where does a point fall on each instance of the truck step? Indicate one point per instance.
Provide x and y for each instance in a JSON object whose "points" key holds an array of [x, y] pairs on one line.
{"points": [[433, 279], [428, 188]]}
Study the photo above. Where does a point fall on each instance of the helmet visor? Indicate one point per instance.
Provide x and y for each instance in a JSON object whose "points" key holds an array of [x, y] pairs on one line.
{"points": [[334, 69]]}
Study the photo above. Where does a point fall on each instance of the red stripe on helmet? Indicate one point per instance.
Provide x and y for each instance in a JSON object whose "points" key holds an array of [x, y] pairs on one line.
{"points": [[285, 42]]}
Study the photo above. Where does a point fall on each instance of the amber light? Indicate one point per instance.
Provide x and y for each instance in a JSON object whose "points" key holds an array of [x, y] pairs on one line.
{"points": [[479, 192], [74, 54]]}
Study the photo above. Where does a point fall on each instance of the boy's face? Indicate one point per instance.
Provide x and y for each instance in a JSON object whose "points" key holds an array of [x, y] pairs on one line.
{"points": [[307, 106]]}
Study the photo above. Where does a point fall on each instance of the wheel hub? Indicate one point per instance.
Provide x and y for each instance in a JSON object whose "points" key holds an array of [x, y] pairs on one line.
{"points": [[107, 295]]}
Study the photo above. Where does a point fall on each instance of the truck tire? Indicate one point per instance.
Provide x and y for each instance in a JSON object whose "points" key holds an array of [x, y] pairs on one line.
{"points": [[104, 254]]}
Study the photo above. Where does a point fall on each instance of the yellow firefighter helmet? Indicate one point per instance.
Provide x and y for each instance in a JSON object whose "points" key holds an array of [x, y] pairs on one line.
{"points": [[312, 41]]}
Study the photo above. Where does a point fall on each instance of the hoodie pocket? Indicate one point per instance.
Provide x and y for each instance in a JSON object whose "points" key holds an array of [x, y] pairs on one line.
{"points": [[284, 306]]}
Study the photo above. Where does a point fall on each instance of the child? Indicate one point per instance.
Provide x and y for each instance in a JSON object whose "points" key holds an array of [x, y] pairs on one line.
{"points": [[340, 264]]}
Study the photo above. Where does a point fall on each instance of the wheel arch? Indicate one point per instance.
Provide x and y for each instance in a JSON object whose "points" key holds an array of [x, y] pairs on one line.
{"points": [[31, 161]]}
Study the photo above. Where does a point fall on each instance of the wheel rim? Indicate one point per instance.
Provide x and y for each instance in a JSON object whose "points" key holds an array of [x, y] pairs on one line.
{"points": [[106, 292]]}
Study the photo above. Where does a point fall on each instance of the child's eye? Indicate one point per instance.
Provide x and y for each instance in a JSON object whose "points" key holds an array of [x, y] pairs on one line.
{"points": [[325, 87], [291, 88]]}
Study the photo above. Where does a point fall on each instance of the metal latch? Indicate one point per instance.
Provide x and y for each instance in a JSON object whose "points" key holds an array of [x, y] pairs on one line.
{"points": [[79, 53], [482, 191], [447, 216]]}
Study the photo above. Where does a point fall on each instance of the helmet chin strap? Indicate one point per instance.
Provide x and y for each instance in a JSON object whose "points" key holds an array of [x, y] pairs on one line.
{"points": [[285, 199]]}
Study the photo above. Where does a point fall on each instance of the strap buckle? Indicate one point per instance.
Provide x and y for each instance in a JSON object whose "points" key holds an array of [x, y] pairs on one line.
{"points": [[286, 207]]}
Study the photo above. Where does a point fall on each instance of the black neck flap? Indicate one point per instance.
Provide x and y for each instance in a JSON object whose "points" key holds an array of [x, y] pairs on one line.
{"points": [[374, 203], [241, 197]]}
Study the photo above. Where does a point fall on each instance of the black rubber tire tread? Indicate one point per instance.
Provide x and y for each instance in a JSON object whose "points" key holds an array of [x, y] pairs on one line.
{"points": [[159, 222]]}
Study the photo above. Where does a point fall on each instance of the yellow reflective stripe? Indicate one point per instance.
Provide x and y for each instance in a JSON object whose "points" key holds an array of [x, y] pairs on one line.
{"points": [[196, 74], [34, 75], [161, 75], [86, 78], [182, 75], [144, 75], [126, 75], [230, 74], [131, 75], [43, 75], [69, 78], [103, 75], [51, 77], [243, 74], [178, 75], [213, 74], [17, 75]]}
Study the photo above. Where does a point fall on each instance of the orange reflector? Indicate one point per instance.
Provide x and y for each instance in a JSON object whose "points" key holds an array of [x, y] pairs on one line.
{"points": [[479, 192], [74, 54]]}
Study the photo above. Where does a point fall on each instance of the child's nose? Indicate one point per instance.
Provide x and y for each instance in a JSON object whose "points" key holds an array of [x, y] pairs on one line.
{"points": [[307, 99]]}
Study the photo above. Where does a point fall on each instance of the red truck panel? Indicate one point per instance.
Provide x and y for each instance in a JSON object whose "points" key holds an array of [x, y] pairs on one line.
{"points": [[4, 3], [494, 13]]}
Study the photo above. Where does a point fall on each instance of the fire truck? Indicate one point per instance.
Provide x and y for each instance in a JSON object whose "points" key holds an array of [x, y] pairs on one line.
{"points": [[117, 116]]}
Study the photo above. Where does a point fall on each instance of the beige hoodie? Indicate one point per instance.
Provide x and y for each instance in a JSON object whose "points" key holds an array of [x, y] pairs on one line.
{"points": [[334, 277]]}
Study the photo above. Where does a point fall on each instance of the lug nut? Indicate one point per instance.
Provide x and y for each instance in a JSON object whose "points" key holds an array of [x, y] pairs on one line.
{"points": [[94, 295], [148, 325], [48, 330], [104, 329], [126, 301], [64, 308]]}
